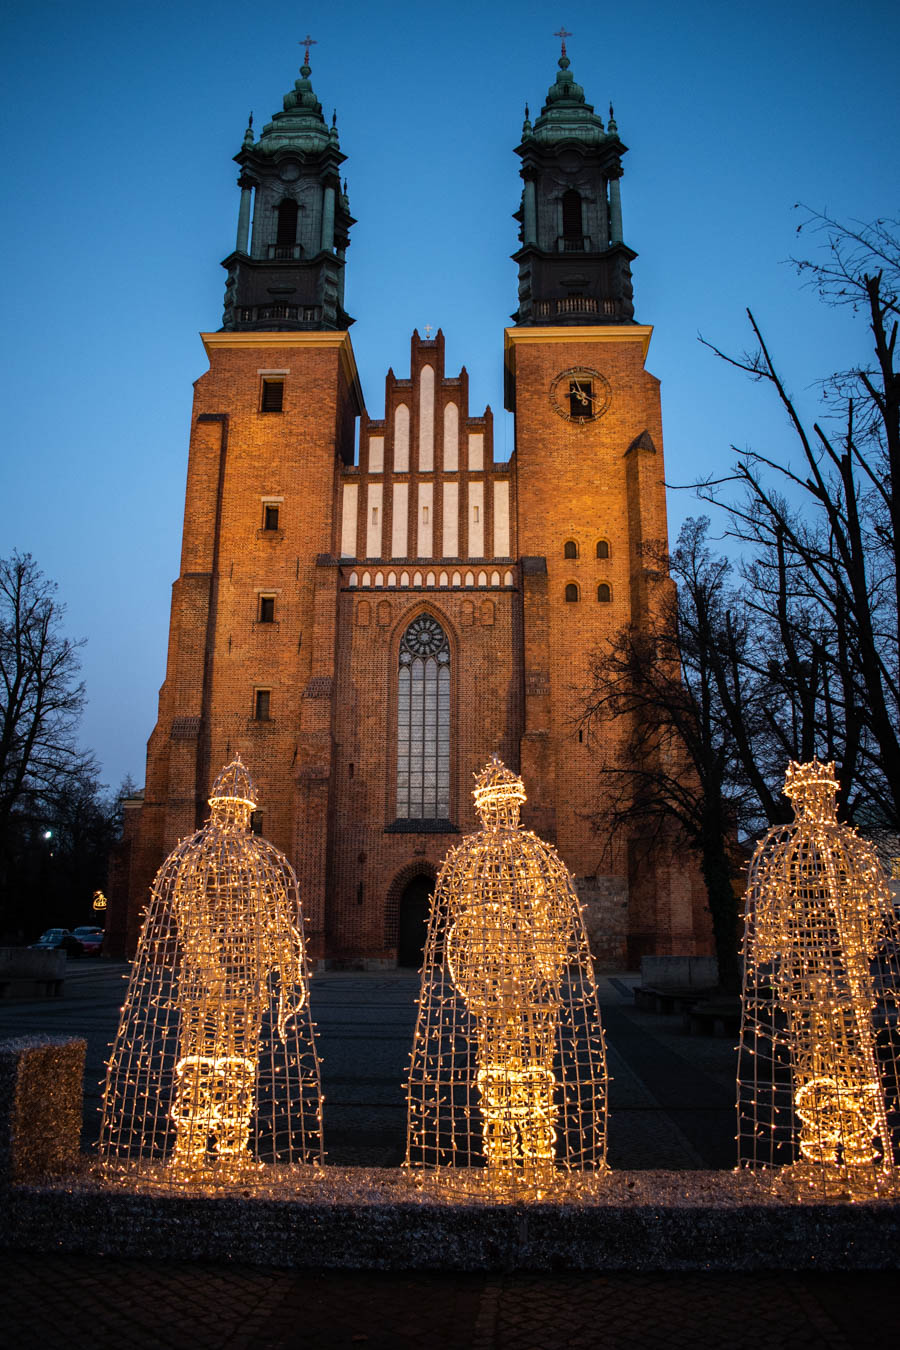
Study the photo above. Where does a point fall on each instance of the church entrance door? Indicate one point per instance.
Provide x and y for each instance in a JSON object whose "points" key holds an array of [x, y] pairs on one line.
{"points": [[415, 903]]}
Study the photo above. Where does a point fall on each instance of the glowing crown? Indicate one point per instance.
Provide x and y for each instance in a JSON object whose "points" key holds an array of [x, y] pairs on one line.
{"points": [[799, 778], [497, 785], [233, 784]]}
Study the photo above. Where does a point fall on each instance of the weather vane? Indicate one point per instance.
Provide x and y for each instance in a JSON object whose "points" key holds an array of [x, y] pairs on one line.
{"points": [[308, 42], [562, 35]]}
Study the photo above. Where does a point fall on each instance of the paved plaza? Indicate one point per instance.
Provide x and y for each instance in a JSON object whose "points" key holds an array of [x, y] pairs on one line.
{"points": [[671, 1106], [671, 1095]]}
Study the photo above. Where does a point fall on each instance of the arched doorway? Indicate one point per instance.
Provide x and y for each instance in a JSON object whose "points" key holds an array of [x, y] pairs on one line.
{"points": [[412, 920]]}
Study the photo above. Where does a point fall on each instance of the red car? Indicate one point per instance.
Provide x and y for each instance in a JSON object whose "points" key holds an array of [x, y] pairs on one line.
{"points": [[90, 938]]}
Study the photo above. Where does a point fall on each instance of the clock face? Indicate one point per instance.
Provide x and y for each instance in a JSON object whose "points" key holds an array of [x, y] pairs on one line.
{"points": [[580, 394]]}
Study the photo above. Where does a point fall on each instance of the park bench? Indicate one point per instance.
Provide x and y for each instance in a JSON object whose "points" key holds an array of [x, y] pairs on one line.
{"points": [[714, 1017]]}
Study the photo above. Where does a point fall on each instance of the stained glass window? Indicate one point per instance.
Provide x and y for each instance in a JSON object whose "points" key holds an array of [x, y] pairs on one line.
{"points": [[423, 722]]}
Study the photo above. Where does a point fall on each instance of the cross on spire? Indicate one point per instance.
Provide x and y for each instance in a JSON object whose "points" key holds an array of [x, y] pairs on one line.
{"points": [[306, 43], [562, 35]]}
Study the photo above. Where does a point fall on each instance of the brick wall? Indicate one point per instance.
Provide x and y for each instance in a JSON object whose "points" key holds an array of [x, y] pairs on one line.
{"points": [[324, 762]]}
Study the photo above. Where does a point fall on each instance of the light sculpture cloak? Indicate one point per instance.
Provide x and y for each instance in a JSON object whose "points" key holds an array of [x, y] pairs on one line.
{"points": [[507, 1086], [818, 1072], [214, 1069]]}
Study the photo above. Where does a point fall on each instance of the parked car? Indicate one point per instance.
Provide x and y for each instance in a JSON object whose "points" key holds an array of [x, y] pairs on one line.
{"points": [[91, 939], [56, 939]]}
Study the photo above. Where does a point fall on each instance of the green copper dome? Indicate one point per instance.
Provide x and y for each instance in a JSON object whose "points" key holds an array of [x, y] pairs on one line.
{"points": [[300, 126], [566, 115]]}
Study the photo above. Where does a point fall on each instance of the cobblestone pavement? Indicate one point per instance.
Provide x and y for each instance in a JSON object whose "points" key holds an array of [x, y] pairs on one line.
{"points": [[57, 1301], [671, 1106]]}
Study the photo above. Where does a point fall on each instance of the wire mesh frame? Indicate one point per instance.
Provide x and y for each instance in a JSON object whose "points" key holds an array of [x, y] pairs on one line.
{"points": [[818, 1057], [507, 1092], [214, 1072]]}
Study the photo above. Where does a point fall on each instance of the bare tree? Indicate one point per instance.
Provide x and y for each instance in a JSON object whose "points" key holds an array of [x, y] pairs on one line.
{"points": [[693, 717], [794, 652], [822, 541], [42, 699]]}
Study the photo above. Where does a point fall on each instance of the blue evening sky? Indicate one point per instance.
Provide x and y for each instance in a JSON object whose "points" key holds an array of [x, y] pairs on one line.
{"points": [[120, 125]]}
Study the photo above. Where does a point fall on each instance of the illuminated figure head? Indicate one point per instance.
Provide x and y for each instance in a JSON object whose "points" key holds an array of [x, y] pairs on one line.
{"points": [[812, 789], [232, 798], [507, 1089], [214, 1068], [498, 794], [818, 1066]]}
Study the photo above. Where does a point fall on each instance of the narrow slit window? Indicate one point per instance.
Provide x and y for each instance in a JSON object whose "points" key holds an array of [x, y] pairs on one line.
{"points": [[272, 396], [267, 609], [270, 516], [262, 705]]}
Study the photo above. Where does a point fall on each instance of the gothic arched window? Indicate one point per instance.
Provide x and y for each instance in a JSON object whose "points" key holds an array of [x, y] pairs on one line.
{"points": [[423, 722], [571, 217], [287, 222]]}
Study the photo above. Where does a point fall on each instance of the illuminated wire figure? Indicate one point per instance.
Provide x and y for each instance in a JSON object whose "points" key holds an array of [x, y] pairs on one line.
{"points": [[214, 1067], [507, 1087], [818, 1069]]}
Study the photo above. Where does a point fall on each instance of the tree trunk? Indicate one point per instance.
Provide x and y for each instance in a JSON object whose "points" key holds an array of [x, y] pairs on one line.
{"points": [[723, 907]]}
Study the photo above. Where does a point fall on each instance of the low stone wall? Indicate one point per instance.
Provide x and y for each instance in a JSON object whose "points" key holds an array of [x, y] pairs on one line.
{"points": [[357, 1218], [28, 973], [381, 1219]]}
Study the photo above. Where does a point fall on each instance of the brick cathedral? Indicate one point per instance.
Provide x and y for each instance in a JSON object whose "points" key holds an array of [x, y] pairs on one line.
{"points": [[365, 626]]}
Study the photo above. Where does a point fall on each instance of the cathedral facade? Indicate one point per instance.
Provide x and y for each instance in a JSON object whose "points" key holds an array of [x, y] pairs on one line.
{"points": [[368, 608]]}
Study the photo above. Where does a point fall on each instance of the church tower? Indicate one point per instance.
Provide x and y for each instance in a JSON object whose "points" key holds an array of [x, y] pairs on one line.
{"points": [[591, 504], [287, 271], [368, 606], [574, 267], [252, 631]]}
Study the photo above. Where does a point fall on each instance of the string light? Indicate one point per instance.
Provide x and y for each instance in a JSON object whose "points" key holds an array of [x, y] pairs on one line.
{"points": [[214, 1069], [507, 1085], [818, 1074]]}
